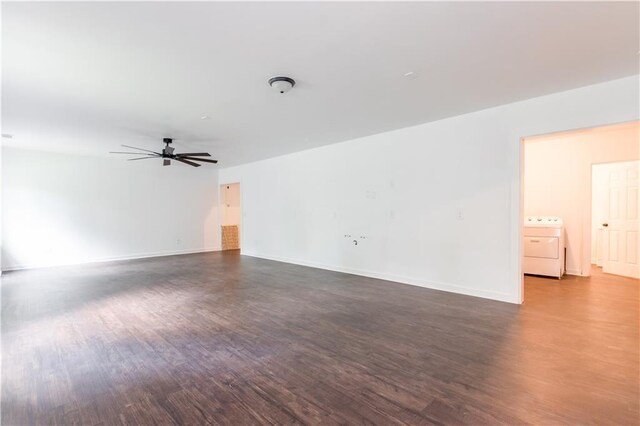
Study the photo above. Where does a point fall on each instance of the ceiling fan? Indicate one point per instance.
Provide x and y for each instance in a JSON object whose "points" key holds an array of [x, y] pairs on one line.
{"points": [[167, 155]]}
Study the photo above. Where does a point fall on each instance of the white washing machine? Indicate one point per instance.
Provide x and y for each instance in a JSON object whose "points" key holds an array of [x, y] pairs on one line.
{"points": [[544, 249]]}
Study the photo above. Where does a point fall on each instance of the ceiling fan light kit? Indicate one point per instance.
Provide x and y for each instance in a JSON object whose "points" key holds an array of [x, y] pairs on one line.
{"points": [[167, 154]]}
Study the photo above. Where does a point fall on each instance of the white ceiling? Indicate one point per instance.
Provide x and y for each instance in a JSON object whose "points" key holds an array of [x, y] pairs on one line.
{"points": [[89, 76]]}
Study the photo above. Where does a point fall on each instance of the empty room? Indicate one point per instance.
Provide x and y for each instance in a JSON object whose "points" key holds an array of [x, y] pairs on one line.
{"points": [[281, 213]]}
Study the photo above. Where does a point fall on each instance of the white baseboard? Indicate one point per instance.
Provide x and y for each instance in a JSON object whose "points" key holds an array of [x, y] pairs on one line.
{"points": [[575, 272], [112, 259], [451, 288]]}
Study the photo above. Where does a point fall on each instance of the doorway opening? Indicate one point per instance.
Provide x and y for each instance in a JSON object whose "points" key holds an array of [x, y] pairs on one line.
{"points": [[580, 202], [230, 216]]}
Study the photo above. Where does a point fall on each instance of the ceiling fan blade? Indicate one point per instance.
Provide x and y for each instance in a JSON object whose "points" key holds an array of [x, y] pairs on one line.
{"points": [[141, 149], [200, 159], [194, 154], [182, 160], [122, 152], [166, 162], [142, 158]]}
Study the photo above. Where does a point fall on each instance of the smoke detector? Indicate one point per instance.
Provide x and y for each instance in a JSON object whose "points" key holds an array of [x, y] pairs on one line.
{"points": [[282, 84]]}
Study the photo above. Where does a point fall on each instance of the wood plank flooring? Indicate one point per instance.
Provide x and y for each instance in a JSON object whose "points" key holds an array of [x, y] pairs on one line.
{"points": [[220, 338]]}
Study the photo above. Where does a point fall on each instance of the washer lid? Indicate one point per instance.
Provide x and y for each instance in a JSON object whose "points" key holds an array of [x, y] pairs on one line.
{"points": [[543, 221]]}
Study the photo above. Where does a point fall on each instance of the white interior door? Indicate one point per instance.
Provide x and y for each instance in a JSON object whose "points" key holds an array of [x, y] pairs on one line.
{"points": [[621, 243]]}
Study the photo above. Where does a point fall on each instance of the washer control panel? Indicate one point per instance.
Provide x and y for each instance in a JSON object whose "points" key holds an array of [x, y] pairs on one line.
{"points": [[543, 221]]}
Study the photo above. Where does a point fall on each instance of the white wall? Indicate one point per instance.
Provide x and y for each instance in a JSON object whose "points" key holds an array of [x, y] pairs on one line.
{"points": [[557, 180], [65, 209], [230, 201], [1, 179], [404, 191]]}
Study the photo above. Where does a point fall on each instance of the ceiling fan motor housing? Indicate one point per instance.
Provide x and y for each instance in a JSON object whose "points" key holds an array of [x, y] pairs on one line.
{"points": [[167, 151]]}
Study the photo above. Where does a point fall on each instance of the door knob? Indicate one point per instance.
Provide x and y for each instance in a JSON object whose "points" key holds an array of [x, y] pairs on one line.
{"points": [[605, 224]]}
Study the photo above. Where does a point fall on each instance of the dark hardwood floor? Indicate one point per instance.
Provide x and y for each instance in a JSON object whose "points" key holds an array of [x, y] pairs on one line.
{"points": [[219, 338]]}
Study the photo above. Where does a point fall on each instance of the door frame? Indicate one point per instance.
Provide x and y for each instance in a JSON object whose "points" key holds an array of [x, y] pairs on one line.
{"points": [[219, 221]]}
